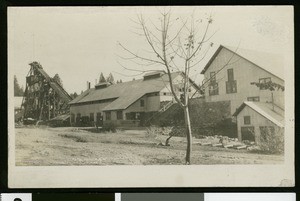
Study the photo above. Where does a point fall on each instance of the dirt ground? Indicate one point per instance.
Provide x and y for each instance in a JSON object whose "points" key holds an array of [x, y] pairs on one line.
{"points": [[73, 146]]}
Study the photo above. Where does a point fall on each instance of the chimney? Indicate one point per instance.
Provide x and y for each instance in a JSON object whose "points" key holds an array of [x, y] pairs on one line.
{"points": [[88, 85]]}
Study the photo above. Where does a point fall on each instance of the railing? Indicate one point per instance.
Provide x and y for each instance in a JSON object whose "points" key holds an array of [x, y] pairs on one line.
{"points": [[163, 109]]}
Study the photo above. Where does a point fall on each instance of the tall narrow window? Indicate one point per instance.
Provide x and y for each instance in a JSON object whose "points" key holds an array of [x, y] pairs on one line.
{"points": [[230, 74], [119, 115], [142, 103], [212, 77], [72, 118], [91, 116], [213, 85], [231, 83], [108, 115], [247, 120]]}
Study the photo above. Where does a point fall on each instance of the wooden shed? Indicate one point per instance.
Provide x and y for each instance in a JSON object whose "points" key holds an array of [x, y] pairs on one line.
{"points": [[254, 119]]}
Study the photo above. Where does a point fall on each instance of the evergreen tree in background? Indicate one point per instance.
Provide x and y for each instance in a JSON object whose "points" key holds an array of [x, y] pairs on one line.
{"points": [[18, 91], [73, 95], [110, 78], [57, 79], [102, 78]]}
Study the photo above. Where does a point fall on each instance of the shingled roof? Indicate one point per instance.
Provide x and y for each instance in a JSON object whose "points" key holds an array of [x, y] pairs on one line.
{"points": [[124, 93], [269, 62]]}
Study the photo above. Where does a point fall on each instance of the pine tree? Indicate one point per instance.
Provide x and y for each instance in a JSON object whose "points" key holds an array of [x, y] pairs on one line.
{"points": [[57, 79], [110, 78], [18, 91], [102, 78]]}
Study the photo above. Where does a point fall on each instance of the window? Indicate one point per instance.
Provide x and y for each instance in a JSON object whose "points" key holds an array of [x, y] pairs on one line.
{"points": [[231, 83], [119, 115], [263, 81], [230, 74], [231, 87], [247, 120], [91, 116], [130, 116], [78, 117], [142, 103], [212, 77], [165, 93], [108, 115], [254, 99], [213, 89], [72, 118], [213, 85]]}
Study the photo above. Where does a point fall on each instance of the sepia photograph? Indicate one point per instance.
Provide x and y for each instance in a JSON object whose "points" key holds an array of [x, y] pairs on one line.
{"points": [[151, 90]]}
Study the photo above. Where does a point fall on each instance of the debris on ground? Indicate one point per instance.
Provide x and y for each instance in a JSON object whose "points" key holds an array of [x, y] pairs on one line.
{"points": [[226, 142]]}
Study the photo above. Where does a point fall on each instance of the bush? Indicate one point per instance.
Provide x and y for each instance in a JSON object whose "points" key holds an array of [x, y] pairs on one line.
{"points": [[109, 127], [272, 140], [154, 131]]}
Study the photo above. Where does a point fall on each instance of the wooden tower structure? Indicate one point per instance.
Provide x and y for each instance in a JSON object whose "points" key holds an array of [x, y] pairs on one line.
{"points": [[44, 98]]}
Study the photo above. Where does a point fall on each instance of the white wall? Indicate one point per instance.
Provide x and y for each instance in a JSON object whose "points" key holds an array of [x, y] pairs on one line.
{"points": [[245, 72], [256, 120]]}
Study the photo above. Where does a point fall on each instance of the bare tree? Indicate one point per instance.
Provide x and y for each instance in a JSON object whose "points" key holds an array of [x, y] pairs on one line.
{"points": [[175, 44]]}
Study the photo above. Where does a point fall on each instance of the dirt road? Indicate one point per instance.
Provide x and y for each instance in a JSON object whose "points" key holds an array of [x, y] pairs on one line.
{"points": [[73, 146]]}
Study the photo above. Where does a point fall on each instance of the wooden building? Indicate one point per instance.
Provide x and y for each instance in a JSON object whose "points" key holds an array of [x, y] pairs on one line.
{"points": [[129, 103], [254, 119], [230, 71], [44, 97]]}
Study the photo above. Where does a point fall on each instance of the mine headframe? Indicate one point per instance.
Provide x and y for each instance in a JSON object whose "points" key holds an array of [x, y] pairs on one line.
{"points": [[44, 98]]}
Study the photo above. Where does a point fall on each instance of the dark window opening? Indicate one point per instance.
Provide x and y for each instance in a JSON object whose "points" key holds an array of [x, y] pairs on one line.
{"points": [[78, 116], [119, 115], [213, 85], [230, 74], [142, 103], [212, 77], [91, 116], [253, 99], [231, 87], [247, 120], [72, 118], [213, 89], [108, 115], [231, 83]]}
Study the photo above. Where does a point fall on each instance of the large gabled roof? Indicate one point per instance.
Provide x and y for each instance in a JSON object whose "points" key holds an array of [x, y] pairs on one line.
{"points": [[266, 110], [269, 62], [125, 93]]}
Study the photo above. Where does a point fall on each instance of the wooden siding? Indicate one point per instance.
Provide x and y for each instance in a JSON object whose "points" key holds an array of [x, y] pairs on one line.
{"points": [[85, 110], [256, 120], [244, 72]]}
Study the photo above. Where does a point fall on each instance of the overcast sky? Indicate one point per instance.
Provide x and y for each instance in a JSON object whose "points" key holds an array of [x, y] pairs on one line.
{"points": [[79, 43]]}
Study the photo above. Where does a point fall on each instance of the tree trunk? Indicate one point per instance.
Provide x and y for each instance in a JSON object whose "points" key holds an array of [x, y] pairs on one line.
{"points": [[188, 135]]}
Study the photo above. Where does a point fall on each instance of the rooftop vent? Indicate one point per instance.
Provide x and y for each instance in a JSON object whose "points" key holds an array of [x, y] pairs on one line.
{"points": [[153, 75], [102, 85]]}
